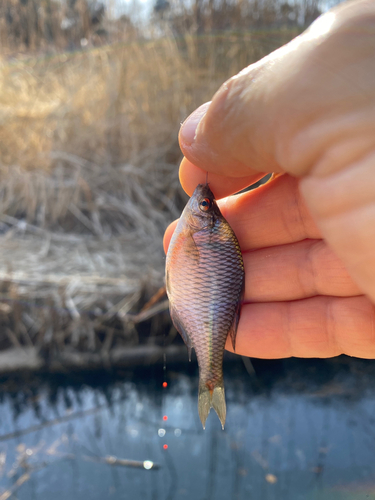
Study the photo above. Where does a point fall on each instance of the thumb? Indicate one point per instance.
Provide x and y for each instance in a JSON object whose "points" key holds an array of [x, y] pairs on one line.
{"points": [[284, 112]]}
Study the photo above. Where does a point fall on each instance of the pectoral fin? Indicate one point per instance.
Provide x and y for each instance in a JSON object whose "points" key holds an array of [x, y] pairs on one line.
{"points": [[181, 329], [191, 249]]}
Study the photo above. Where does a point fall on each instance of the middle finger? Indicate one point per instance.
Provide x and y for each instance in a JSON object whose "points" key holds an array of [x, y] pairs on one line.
{"points": [[295, 271]]}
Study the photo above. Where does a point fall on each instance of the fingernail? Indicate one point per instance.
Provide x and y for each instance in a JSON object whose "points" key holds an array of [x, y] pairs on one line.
{"points": [[189, 127]]}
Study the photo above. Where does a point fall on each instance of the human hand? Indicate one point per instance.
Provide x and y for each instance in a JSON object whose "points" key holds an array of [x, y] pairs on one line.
{"points": [[308, 109]]}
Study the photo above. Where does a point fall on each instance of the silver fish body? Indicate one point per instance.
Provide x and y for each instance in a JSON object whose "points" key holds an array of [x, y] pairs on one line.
{"points": [[205, 282]]}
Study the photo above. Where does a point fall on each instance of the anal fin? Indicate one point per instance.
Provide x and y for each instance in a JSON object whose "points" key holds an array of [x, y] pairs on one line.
{"points": [[181, 329], [233, 329]]}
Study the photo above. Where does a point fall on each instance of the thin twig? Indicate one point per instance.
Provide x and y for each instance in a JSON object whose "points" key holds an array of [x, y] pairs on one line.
{"points": [[155, 298], [25, 226], [20, 481], [149, 313], [50, 423]]}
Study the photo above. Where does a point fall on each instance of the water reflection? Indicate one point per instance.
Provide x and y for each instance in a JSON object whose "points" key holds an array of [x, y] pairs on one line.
{"points": [[295, 430]]}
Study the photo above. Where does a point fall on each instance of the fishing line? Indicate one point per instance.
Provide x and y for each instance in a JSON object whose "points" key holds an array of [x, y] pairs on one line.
{"points": [[162, 431]]}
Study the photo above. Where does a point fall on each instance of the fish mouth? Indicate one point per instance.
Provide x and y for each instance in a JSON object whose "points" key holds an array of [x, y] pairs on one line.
{"points": [[205, 191]]}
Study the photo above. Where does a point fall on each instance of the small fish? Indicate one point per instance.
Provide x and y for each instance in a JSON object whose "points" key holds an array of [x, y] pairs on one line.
{"points": [[205, 283]]}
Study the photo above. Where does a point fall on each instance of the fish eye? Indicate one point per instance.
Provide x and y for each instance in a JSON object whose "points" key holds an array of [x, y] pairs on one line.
{"points": [[205, 204]]}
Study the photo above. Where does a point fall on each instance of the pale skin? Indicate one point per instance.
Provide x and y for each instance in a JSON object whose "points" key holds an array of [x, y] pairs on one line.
{"points": [[308, 237]]}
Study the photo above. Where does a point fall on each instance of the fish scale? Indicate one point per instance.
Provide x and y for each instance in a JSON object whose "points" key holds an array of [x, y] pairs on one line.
{"points": [[205, 278]]}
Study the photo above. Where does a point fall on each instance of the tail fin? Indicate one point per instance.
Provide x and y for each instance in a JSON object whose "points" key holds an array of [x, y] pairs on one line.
{"points": [[208, 400]]}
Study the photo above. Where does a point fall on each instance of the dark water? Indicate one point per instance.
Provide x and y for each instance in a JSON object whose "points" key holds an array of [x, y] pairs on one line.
{"points": [[296, 429]]}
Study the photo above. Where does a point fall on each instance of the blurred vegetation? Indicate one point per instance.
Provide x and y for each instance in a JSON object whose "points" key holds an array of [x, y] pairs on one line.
{"points": [[77, 80], [117, 103], [90, 107], [207, 16], [49, 25]]}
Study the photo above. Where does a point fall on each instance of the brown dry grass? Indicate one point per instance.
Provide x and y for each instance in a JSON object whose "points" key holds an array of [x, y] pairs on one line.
{"points": [[118, 103]]}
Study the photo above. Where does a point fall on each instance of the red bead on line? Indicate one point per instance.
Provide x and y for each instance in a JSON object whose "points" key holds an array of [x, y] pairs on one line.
{"points": [[165, 446], [165, 417], [165, 384]]}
